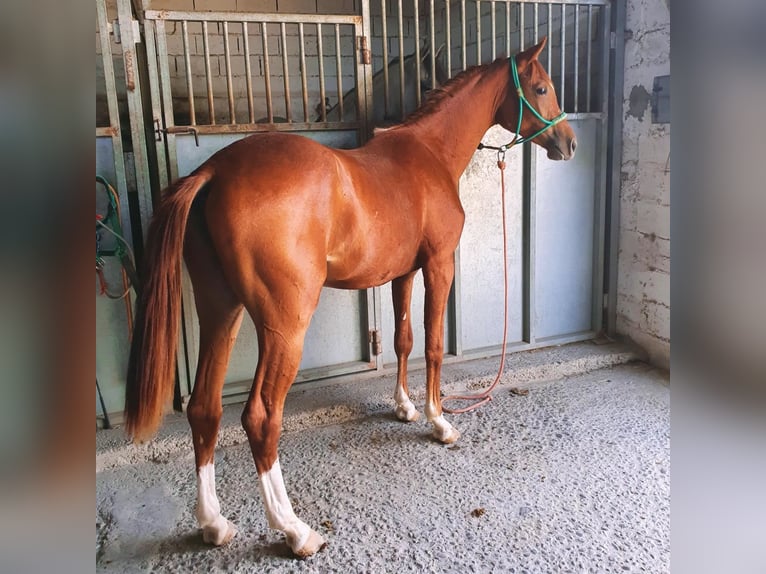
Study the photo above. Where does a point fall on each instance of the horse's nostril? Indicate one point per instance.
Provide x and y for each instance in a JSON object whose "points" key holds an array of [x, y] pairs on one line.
{"points": [[573, 145]]}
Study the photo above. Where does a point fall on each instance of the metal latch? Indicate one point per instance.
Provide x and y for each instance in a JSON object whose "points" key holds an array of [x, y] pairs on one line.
{"points": [[364, 49], [376, 342], [175, 130]]}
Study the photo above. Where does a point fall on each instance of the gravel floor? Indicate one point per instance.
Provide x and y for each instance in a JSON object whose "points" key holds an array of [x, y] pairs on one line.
{"points": [[573, 477]]}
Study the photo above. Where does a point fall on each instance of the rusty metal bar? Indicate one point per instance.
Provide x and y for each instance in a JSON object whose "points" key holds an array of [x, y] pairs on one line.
{"points": [[401, 62], [248, 74], [432, 17], [304, 83], [492, 7], [273, 127], [563, 52], [448, 29], [588, 56], [478, 32], [521, 27], [286, 74], [338, 72], [229, 86], [417, 51], [252, 17], [576, 58], [267, 71], [187, 62], [208, 73], [322, 91], [462, 25], [386, 88]]}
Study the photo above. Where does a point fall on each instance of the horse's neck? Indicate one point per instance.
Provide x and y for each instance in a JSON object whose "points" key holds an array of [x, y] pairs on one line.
{"points": [[455, 130]]}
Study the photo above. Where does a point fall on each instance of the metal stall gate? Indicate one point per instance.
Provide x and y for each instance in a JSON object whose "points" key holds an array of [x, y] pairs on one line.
{"points": [[215, 77]]}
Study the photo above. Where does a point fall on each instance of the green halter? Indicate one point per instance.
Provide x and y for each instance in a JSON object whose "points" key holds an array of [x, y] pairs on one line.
{"points": [[518, 139]]}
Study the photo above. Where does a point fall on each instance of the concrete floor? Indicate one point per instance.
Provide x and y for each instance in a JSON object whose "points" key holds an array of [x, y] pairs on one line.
{"points": [[573, 477]]}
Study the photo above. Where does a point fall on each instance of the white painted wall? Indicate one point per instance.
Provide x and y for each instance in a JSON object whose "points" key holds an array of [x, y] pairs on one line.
{"points": [[643, 304]]}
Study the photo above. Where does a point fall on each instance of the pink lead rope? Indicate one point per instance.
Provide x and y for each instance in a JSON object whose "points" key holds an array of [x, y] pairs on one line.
{"points": [[486, 396]]}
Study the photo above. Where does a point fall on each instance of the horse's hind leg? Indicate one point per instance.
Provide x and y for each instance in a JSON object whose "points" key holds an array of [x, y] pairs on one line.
{"points": [[401, 291], [281, 327], [220, 316]]}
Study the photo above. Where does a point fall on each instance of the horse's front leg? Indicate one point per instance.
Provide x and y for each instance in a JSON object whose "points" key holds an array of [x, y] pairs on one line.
{"points": [[401, 291], [437, 275]]}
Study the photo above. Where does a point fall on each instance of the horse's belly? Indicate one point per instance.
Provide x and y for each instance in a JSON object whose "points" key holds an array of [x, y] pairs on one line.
{"points": [[362, 271]]}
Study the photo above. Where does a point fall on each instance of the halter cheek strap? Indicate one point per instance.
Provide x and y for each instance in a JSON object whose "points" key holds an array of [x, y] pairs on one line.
{"points": [[519, 139]]}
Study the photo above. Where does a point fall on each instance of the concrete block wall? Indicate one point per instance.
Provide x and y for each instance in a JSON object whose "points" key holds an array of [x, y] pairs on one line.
{"points": [[643, 294]]}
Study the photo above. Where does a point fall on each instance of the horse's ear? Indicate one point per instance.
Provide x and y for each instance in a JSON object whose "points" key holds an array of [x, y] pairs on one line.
{"points": [[532, 53]]}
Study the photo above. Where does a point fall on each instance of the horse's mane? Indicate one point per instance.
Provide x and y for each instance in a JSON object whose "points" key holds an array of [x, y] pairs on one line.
{"points": [[436, 97]]}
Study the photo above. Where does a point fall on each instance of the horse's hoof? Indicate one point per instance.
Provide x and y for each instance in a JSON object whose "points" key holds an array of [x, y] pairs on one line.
{"points": [[407, 413], [446, 436], [313, 545], [219, 533]]}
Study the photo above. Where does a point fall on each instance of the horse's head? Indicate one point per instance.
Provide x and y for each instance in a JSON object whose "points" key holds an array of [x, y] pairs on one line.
{"points": [[541, 120]]}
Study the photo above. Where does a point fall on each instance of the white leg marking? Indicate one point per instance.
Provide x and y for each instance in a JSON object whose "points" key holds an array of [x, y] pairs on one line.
{"points": [[215, 528], [279, 512], [443, 431], [405, 410]]}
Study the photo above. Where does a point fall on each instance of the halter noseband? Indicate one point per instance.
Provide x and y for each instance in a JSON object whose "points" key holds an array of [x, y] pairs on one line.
{"points": [[518, 139]]}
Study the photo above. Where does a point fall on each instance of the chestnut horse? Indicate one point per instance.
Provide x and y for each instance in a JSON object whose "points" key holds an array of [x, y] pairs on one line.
{"points": [[268, 221]]}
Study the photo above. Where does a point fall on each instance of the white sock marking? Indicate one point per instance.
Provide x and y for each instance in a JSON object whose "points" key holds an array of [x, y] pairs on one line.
{"points": [[279, 511], [208, 510]]}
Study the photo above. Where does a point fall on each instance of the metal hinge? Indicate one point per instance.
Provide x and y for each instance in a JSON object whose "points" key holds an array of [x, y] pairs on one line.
{"points": [[376, 342], [364, 49]]}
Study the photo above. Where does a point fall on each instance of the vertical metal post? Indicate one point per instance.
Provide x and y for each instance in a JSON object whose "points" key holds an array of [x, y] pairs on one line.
{"points": [[286, 74], [432, 40], [166, 147], [114, 115], [267, 71], [493, 28], [229, 87], [614, 69], [448, 29], [401, 62], [417, 51], [529, 250], [576, 58], [365, 94], [248, 73], [135, 110], [521, 27], [536, 23], [508, 28], [322, 89], [588, 66], [563, 52], [187, 62], [338, 72], [386, 87], [549, 46], [304, 83], [462, 24], [478, 32], [208, 73]]}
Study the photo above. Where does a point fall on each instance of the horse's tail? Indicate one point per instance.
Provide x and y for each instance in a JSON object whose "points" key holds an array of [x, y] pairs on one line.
{"points": [[152, 362]]}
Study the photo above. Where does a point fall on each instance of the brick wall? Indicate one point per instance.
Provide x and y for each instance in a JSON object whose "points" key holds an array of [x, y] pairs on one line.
{"points": [[643, 306]]}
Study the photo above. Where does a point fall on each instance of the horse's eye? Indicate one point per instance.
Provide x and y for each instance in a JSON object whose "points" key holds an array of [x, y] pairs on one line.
{"points": [[541, 91]]}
